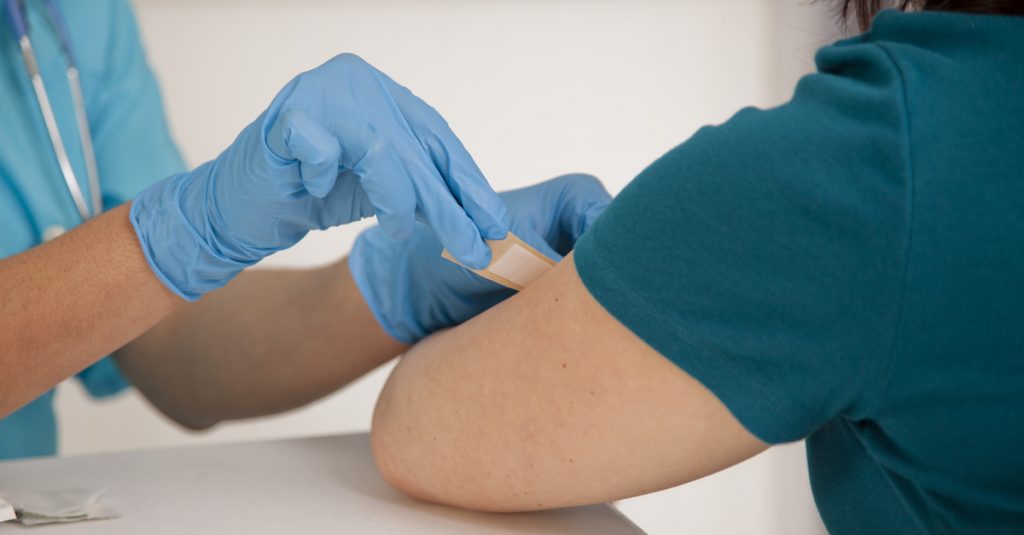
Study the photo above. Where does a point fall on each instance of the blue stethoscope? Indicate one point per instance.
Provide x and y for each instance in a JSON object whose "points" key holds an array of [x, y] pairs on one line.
{"points": [[16, 14]]}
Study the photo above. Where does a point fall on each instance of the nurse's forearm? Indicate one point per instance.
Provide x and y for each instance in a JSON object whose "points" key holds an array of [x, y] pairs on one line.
{"points": [[67, 303], [269, 341]]}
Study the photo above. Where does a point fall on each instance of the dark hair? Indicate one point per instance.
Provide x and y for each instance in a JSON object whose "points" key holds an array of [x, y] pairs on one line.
{"points": [[864, 10]]}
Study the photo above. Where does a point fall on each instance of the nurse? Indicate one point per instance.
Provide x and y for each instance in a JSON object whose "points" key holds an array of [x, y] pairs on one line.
{"points": [[338, 143]]}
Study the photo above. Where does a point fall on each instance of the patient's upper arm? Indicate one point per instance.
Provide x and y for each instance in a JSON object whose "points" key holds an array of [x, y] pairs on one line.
{"points": [[547, 401]]}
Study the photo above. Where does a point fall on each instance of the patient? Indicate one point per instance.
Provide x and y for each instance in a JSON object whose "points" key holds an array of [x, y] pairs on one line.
{"points": [[845, 268]]}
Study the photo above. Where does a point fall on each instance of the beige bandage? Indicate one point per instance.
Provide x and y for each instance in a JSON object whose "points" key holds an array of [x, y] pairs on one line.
{"points": [[513, 263]]}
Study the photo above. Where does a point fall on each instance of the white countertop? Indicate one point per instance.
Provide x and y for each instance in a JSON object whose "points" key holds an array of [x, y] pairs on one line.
{"points": [[303, 486]]}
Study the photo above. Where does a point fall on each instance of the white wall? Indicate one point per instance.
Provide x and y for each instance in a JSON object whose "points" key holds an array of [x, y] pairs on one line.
{"points": [[534, 88]]}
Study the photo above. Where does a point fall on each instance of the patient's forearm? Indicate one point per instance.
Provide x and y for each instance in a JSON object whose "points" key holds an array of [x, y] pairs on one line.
{"points": [[270, 341]]}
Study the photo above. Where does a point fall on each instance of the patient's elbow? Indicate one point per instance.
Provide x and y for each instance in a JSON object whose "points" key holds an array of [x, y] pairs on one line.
{"points": [[391, 453], [386, 455], [412, 465]]}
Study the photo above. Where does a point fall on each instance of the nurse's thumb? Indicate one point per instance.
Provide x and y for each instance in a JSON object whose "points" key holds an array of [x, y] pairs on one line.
{"points": [[295, 136]]}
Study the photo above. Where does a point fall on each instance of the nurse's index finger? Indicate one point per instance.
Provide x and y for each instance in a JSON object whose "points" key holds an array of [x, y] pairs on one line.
{"points": [[468, 185], [452, 161], [453, 228]]}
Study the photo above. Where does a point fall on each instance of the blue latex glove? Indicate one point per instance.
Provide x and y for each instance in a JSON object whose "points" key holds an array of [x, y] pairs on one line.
{"points": [[413, 291], [338, 143]]}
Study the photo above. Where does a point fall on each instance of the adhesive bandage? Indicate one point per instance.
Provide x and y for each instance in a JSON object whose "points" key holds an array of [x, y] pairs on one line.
{"points": [[513, 262]]}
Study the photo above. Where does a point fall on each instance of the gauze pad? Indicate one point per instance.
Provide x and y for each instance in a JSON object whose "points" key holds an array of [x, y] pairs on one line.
{"points": [[513, 262], [6, 511], [57, 506]]}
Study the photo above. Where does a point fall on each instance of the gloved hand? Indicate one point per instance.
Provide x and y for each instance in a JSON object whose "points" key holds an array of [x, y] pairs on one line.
{"points": [[338, 143], [413, 291]]}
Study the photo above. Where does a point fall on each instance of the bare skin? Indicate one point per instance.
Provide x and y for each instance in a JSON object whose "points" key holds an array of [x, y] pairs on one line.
{"points": [[268, 342], [547, 401], [69, 302]]}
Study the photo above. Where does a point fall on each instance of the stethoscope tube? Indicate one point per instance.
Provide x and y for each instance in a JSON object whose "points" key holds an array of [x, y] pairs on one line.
{"points": [[15, 11]]}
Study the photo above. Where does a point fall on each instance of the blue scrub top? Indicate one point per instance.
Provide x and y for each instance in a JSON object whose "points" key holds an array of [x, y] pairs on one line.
{"points": [[133, 149]]}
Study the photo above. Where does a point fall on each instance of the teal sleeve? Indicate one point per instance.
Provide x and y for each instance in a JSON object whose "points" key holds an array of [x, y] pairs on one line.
{"points": [[765, 257], [133, 143]]}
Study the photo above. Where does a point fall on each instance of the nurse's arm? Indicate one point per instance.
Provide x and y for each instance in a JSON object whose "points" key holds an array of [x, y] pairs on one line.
{"points": [[547, 401], [269, 341], [69, 302]]}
